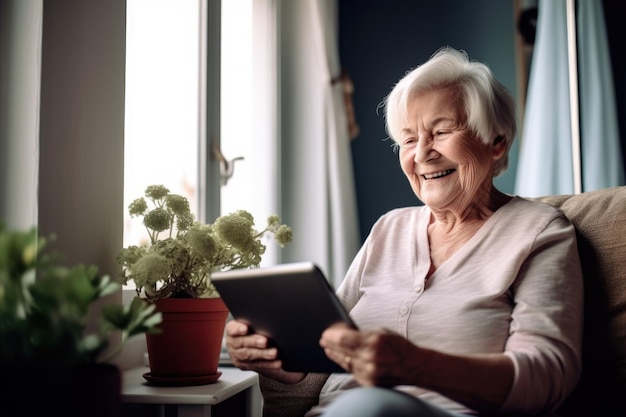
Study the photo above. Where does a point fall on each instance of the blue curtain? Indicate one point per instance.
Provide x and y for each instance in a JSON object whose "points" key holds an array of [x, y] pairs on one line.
{"points": [[602, 164], [545, 159]]}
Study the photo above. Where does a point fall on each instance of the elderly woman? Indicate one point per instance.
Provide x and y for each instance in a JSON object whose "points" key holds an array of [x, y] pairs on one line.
{"points": [[468, 305]]}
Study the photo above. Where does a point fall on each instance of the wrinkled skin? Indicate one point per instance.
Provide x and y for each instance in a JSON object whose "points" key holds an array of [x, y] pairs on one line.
{"points": [[253, 352], [377, 358]]}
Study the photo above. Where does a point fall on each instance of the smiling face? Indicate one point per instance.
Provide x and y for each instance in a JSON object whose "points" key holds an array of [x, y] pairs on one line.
{"points": [[448, 167]]}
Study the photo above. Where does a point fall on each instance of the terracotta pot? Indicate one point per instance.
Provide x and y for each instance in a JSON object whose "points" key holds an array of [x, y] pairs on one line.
{"points": [[187, 350]]}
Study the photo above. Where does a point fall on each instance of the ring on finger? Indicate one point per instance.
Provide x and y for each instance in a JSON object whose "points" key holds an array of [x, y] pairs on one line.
{"points": [[348, 362]]}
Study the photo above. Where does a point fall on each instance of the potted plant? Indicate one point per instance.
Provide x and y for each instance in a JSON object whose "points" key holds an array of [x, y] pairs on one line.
{"points": [[173, 271], [54, 349]]}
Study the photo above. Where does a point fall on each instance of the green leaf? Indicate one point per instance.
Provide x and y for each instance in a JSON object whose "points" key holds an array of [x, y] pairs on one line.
{"points": [[135, 318]]}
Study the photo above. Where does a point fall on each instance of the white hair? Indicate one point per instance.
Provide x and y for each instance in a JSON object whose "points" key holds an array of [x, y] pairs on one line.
{"points": [[489, 106]]}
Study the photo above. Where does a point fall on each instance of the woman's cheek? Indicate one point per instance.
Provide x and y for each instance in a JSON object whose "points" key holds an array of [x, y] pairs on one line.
{"points": [[406, 161]]}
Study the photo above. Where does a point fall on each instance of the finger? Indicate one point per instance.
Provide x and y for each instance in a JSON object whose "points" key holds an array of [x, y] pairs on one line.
{"points": [[254, 341], [259, 365], [343, 358], [238, 335], [347, 363], [236, 328], [246, 354], [340, 337], [340, 343], [255, 359]]}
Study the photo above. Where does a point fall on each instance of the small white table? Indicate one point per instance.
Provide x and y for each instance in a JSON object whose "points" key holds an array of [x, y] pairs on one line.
{"points": [[234, 386]]}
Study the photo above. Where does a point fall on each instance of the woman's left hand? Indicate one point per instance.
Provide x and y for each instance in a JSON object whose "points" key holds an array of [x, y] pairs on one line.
{"points": [[374, 357]]}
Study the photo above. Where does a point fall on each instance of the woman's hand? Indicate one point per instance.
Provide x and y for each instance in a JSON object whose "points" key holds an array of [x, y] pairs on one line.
{"points": [[251, 351], [384, 358], [377, 358]]}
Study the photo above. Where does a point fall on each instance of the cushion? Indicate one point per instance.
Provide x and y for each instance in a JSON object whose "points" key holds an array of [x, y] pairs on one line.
{"points": [[600, 221]]}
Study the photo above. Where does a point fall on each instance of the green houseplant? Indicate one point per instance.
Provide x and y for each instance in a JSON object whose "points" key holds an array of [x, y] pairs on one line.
{"points": [[173, 271], [51, 340]]}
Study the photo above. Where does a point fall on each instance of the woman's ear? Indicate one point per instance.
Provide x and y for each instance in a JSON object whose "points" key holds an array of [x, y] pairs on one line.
{"points": [[499, 146]]}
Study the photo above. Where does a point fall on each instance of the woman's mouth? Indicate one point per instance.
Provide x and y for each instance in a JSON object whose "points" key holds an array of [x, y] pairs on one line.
{"points": [[438, 174]]}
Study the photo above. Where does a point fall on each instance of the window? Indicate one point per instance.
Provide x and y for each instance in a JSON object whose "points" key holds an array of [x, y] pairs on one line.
{"points": [[249, 110], [162, 95], [165, 81]]}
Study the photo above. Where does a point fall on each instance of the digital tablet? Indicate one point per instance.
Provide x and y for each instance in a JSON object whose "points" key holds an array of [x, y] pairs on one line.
{"points": [[291, 304]]}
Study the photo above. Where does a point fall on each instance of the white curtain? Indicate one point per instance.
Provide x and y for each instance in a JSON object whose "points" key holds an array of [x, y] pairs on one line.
{"points": [[545, 159], [21, 24], [318, 193]]}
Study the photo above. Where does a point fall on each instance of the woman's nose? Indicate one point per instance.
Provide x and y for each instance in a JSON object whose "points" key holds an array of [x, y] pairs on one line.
{"points": [[424, 151]]}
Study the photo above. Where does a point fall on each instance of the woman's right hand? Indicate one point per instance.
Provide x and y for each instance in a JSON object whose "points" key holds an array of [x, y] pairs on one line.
{"points": [[251, 351]]}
